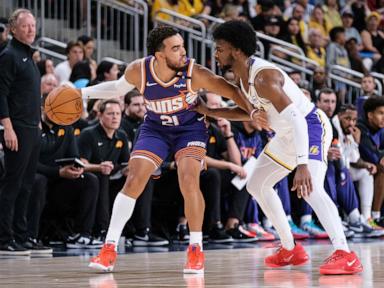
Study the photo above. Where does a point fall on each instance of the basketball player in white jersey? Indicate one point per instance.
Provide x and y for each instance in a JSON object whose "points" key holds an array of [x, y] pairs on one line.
{"points": [[303, 136]]}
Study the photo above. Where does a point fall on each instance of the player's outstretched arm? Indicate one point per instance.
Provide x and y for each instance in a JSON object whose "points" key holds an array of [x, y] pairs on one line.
{"points": [[204, 78], [113, 89]]}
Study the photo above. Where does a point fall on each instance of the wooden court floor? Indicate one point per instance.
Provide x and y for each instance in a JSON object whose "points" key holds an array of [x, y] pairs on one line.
{"points": [[224, 268]]}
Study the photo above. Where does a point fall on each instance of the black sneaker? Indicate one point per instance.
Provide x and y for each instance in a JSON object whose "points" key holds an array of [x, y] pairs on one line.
{"points": [[219, 235], [182, 234], [14, 249], [147, 238], [239, 234], [36, 247], [78, 241]]}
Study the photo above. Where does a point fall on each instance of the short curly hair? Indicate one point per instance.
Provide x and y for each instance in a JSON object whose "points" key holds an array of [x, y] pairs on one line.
{"points": [[157, 36], [239, 34]]}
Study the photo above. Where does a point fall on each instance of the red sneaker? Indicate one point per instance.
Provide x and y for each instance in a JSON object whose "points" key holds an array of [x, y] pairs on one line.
{"points": [[195, 260], [106, 259], [284, 257], [341, 262]]}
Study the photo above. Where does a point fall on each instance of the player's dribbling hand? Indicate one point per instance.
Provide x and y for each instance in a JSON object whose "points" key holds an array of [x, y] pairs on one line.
{"points": [[260, 119], [302, 182]]}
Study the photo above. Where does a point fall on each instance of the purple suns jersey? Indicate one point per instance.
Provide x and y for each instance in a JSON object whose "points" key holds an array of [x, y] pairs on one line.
{"points": [[169, 104]]}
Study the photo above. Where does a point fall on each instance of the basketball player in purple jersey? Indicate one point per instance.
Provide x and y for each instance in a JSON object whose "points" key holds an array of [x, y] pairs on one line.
{"points": [[169, 82]]}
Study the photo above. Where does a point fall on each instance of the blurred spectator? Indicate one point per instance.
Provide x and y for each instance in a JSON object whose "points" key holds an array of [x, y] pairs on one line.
{"points": [[368, 86], [315, 48], [338, 55], [298, 13], [89, 47], [133, 115], [184, 7], [372, 149], [318, 22], [360, 11], [4, 31], [46, 67], [271, 28], [36, 57], [106, 71], [350, 31], [48, 83], [75, 53], [297, 77], [267, 10], [20, 116], [81, 74], [319, 82], [306, 7], [331, 13], [292, 34], [357, 63]]}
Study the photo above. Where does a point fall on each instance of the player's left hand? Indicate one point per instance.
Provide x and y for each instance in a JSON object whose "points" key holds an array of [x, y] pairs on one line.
{"points": [[201, 106], [302, 182]]}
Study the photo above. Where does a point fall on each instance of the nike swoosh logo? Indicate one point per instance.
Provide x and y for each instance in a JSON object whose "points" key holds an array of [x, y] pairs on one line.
{"points": [[25, 59], [288, 258], [200, 118], [150, 84], [145, 238], [351, 263], [100, 143], [358, 230]]}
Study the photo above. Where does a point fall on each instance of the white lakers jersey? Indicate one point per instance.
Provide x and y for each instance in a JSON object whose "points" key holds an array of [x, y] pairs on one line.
{"points": [[276, 122]]}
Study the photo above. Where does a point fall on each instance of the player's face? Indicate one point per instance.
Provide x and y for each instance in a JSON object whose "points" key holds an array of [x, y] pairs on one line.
{"points": [[376, 118], [348, 121], [223, 55], [327, 103], [136, 109], [174, 52], [111, 117], [24, 29]]}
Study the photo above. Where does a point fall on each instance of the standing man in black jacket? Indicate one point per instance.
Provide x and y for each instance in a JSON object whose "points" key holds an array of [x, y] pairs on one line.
{"points": [[20, 117]]}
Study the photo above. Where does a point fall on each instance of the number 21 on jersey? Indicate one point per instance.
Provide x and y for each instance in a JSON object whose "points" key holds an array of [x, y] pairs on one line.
{"points": [[167, 120]]}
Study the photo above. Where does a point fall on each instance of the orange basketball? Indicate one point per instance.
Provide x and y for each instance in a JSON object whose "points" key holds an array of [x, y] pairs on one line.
{"points": [[64, 105]]}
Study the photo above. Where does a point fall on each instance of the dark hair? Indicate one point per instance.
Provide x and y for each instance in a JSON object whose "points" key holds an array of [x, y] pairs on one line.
{"points": [[368, 76], [372, 103], [103, 104], [343, 108], [239, 34], [81, 70], [72, 44], [157, 36], [41, 66], [85, 39], [103, 67], [128, 97], [325, 90], [336, 31]]}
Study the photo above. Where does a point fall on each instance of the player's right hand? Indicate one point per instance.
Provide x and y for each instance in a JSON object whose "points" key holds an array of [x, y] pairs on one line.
{"points": [[302, 182], [10, 139]]}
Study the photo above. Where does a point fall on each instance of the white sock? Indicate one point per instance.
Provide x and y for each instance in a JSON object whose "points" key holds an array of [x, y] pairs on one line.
{"points": [[376, 214], [267, 223], [324, 207], [354, 216], [196, 238], [305, 219], [121, 212]]}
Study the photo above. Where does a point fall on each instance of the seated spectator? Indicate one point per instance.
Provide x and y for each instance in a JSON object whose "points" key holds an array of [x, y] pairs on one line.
{"points": [[271, 28], [292, 33], [350, 31], [305, 12], [357, 63], [75, 53], [46, 67], [81, 74], [319, 82], [368, 87], [338, 55], [4, 31], [360, 11], [267, 9], [331, 13], [297, 77], [48, 83], [371, 149], [315, 49], [67, 190], [106, 71], [89, 47], [318, 22]]}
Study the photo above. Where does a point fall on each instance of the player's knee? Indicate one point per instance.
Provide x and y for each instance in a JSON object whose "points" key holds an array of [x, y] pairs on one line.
{"points": [[188, 183]]}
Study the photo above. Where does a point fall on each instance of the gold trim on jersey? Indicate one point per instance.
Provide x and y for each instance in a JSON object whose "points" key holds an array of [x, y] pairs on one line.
{"points": [[157, 79], [277, 160]]}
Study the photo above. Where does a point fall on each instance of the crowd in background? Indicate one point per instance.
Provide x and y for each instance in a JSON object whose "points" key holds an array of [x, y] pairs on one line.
{"points": [[72, 205]]}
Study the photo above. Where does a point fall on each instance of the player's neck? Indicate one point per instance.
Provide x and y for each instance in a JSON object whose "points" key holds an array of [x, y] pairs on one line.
{"points": [[163, 72], [241, 69]]}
